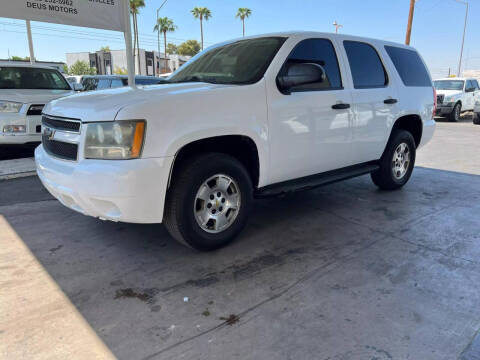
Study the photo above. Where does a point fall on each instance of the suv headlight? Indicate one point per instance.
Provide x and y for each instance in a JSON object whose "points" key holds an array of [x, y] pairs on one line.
{"points": [[10, 106], [114, 140]]}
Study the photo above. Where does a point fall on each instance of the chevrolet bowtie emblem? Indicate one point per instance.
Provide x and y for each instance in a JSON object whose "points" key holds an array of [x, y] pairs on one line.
{"points": [[49, 133]]}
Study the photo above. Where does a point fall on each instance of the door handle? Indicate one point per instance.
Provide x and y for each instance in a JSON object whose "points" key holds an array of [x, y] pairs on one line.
{"points": [[341, 106], [390, 101]]}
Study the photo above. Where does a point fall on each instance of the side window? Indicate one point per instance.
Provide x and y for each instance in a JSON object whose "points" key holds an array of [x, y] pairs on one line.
{"points": [[103, 84], [117, 83], [469, 84], [410, 66], [475, 84], [365, 64], [321, 52]]}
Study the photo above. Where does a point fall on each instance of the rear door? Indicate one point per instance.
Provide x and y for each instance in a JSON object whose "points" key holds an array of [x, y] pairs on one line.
{"points": [[469, 96], [375, 99]]}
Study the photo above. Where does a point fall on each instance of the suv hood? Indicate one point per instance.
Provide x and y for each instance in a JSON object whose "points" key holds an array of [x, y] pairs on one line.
{"points": [[33, 96], [449, 92], [104, 105]]}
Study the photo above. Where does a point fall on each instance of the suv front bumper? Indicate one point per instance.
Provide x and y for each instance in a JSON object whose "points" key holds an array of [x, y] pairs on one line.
{"points": [[444, 109], [32, 125], [118, 190]]}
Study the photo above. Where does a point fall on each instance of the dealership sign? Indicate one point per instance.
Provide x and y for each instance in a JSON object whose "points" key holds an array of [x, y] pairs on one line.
{"points": [[100, 14]]}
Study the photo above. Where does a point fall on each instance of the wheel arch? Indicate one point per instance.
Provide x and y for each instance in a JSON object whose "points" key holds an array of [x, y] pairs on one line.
{"points": [[411, 123], [241, 147]]}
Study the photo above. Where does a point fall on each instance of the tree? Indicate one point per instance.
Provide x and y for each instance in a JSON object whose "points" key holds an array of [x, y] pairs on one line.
{"points": [[164, 25], [135, 6], [189, 48], [65, 68], [201, 13], [172, 48], [242, 14], [105, 48], [81, 68], [19, 58], [120, 71]]}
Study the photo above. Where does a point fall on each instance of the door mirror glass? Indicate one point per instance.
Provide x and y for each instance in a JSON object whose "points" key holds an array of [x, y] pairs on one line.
{"points": [[301, 74]]}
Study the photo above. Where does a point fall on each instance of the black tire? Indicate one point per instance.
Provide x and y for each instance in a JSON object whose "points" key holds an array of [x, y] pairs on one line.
{"points": [[179, 218], [454, 116], [476, 118], [384, 177]]}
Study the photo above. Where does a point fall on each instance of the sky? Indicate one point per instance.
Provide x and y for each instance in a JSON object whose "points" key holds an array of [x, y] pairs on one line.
{"points": [[437, 27]]}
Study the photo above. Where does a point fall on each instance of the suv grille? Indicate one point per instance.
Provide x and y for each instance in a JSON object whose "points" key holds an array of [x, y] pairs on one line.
{"points": [[35, 109], [58, 124], [60, 149], [440, 99]]}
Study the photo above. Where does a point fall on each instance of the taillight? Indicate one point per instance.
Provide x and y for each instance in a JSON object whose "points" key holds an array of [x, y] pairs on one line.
{"points": [[434, 102]]}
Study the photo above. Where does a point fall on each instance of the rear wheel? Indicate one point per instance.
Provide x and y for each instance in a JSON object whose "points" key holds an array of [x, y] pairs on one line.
{"points": [[455, 114], [397, 162], [208, 203]]}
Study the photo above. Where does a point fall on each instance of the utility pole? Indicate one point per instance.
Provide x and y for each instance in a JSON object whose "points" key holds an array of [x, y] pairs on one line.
{"points": [[463, 38], [156, 22], [410, 21], [30, 42], [337, 26]]}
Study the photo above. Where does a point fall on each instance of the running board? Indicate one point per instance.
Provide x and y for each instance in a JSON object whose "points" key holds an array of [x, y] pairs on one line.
{"points": [[313, 181]]}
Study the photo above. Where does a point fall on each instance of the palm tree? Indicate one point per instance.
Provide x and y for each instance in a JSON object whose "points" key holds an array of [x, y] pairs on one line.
{"points": [[242, 14], [135, 6], [164, 25], [201, 13]]}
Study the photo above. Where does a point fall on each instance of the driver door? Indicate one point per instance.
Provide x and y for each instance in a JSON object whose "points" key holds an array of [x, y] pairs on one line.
{"points": [[311, 125]]}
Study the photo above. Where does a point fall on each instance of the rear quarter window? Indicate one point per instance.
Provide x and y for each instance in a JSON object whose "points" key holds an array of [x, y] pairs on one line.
{"points": [[409, 66]]}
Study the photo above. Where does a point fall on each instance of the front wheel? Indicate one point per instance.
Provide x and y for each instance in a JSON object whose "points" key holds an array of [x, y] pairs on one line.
{"points": [[397, 162], [208, 203], [455, 114], [476, 118]]}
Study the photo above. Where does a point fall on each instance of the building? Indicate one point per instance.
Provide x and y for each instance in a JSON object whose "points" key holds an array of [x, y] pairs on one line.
{"points": [[54, 64], [152, 63], [472, 74]]}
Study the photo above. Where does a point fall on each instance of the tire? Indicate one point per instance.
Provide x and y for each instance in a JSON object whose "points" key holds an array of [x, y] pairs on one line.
{"points": [[198, 178], [455, 114], [386, 178], [476, 118]]}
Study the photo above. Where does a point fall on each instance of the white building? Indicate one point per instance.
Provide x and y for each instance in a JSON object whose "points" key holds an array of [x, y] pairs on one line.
{"points": [[152, 63]]}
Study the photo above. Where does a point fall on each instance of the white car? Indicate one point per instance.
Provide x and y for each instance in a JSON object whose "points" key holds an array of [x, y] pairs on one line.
{"points": [[24, 91], [456, 95], [253, 117]]}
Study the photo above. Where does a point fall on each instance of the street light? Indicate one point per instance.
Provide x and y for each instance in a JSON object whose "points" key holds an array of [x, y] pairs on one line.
{"points": [[156, 21], [463, 38]]}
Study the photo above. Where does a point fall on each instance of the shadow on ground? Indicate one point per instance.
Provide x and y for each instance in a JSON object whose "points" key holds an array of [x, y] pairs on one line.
{"points": [[342, 272]]}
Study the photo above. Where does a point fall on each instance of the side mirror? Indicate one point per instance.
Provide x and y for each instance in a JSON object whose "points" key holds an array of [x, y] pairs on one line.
{"points": [[301, 74], [77, 87]]}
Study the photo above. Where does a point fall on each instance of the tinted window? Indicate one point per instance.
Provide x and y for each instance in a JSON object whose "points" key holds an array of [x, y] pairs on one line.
{"points": [[410, 66], [448, 84], [103, 84], [240, 62], [321, 52], [117, 83], [469, 84], [32, 78], [365, 65], [475, 83]]}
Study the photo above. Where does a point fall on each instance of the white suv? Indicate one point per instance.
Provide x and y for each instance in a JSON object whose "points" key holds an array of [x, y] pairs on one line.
{"points": [[244, 119], [24, 91], [456, 95]]}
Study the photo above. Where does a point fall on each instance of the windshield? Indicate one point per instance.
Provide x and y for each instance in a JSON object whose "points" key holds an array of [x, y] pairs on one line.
{"points": [[241, 62], [448, 84], [32, 78]]}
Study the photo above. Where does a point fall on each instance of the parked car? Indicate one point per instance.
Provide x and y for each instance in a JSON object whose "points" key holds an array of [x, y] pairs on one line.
{"points": [[456, 95], [100, 82], [24, 91], [255, 117], [476, 113]]}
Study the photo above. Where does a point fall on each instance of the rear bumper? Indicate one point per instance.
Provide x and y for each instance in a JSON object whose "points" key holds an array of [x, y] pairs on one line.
{"points": [[427, 133], [127, 191]]}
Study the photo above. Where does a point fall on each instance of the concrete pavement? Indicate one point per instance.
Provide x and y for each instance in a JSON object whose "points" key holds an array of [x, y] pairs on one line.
{"points": [[342, 272]]}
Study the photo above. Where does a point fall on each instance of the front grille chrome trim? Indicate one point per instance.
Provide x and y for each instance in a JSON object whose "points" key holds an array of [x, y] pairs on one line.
{"points": [[69, 125]]}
